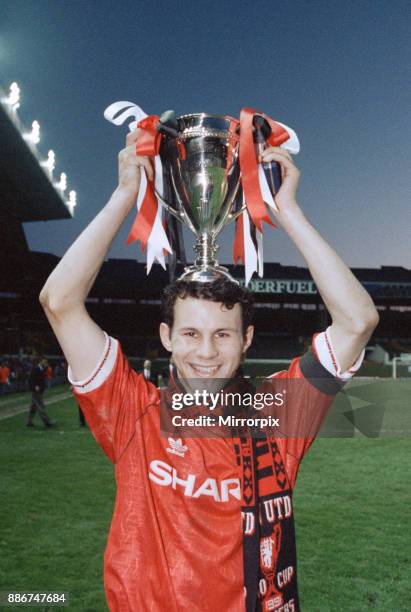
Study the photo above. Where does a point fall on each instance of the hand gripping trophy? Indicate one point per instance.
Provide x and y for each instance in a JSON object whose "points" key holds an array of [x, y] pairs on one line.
{"points": [[207, 174]]}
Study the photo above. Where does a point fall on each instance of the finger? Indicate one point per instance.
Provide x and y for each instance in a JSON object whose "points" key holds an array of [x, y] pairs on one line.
{"points": [[133, 136], [145, 163], [128, 156], [279, 150], [287, 163], [132, 150]]}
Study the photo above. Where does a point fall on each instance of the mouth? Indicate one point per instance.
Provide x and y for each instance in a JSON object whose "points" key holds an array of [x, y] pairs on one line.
{"points": [[202, 371]]}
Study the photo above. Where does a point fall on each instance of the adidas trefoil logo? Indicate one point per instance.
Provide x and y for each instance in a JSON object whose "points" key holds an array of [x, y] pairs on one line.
{"points": [[176, 447]]}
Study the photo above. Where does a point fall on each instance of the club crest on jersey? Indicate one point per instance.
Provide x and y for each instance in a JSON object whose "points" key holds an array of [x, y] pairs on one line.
{"points": [[176, 447]]}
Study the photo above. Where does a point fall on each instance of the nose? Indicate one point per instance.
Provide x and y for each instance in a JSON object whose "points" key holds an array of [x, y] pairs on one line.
{"points": [[206, 349]]}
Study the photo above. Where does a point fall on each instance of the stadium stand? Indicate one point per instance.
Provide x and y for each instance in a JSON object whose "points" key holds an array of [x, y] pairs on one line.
{"points": [[125, 303]]}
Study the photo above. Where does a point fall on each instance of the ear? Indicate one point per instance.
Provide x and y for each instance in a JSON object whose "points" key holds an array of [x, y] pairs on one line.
{"points": [[165, 336], [248, 337]]}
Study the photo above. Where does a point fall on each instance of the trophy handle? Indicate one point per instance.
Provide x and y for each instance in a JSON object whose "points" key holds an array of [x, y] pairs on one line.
{"points": [[226, 220], [178, 214], [233, 216]]}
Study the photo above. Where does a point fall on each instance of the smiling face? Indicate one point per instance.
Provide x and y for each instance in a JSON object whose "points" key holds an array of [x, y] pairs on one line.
{"points": [[206, 340]]}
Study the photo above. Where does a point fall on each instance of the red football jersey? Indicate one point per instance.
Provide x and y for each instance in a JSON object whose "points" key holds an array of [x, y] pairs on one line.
{"points": [[176, 540]]}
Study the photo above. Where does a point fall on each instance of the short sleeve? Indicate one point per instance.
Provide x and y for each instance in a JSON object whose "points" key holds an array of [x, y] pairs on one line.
{"points": [[312, 381], [112, 398], [326, 355]]}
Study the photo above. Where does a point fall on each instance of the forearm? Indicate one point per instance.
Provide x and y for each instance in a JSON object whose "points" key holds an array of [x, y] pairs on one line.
{"points": [[353, 313], [72, 279], [348, 303]]}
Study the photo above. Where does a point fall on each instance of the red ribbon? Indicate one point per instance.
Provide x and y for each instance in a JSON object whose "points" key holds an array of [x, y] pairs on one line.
{"points": [[148, 145], [144, 220], [149, 140], [249, 163]]}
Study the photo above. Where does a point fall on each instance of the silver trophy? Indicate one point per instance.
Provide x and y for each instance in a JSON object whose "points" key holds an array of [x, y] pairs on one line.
{"points": [[201, 183]]}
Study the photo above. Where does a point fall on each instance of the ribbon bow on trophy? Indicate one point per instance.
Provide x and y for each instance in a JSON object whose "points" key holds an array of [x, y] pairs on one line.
{"points": [[206, 174]]}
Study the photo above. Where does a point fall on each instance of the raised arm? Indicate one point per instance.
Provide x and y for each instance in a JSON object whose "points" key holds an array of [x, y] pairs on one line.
{"points": [[354, 316], [64, 293]]}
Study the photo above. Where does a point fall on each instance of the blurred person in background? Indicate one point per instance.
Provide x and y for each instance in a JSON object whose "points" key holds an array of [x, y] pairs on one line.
{"points": [[4, 377], [37, 384], [148, 371], [49, 375]]}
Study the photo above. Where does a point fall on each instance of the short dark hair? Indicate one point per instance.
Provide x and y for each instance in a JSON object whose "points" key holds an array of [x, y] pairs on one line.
{"points": [[221, 290]]}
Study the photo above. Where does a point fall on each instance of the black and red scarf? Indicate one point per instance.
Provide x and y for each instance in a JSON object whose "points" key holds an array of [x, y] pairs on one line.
{"points": [[269, 549]]}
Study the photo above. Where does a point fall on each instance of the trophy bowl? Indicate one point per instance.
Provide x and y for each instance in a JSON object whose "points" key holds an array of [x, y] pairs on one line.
{"points": [[201, 179]]}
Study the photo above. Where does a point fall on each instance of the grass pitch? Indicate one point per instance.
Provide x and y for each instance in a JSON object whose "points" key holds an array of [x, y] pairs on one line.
{"points": [[352, 507]]}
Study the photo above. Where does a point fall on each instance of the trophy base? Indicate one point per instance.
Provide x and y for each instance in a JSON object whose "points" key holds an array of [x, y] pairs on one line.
{"points": [[206, 274]]}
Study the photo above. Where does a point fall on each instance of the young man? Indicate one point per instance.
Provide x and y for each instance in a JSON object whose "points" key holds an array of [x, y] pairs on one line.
{"points": [[200, 524]]}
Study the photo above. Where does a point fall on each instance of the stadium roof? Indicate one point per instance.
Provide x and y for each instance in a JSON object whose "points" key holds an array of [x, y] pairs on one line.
{"points": [[26, 192]]}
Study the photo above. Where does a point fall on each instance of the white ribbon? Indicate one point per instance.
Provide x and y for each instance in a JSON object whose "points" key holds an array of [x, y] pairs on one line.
{"points": [[250, 254], [254, 260], [129, 110], [158, 238], [292, 144], [157, 241], [260, 254]]}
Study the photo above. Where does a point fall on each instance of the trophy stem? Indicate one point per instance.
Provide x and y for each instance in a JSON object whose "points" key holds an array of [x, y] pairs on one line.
{"points": [[206, 249], [206, 268]]}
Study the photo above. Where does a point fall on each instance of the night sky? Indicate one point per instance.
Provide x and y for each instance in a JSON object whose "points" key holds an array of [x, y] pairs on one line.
{"points": [[338, 72]]}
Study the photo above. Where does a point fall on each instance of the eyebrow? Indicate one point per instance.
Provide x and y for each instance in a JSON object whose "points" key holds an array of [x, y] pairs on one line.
{"points": [[220, 329]]}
